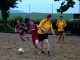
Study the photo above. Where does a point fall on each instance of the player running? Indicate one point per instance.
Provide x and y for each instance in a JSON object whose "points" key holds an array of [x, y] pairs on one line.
{"points": [[33, 28], [61, 24], [22, 29]]}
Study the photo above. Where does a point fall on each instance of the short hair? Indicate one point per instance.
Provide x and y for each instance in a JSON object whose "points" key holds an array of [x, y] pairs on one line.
{"points": [[32, 20], [61, 16]]}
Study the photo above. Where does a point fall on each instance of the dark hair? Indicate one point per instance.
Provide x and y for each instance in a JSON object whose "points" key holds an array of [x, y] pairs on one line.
{"points": [[61, 16], [32, 20]]}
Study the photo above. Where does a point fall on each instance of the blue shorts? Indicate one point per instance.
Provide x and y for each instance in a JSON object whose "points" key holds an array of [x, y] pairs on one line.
{"points": [[41, 37]]}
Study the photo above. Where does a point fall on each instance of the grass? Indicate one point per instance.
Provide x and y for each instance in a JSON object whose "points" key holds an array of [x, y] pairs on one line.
{"points": [[37, 16]]}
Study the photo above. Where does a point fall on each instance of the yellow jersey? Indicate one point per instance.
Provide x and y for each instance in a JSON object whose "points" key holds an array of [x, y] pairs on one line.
{"points": [[60, 24], [47, 25]]}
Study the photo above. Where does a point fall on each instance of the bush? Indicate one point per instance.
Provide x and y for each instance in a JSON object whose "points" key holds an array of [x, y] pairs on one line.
{"points": [[13, 21], [1, 27], [37, 21], [18, 18], [1, 21], [9, 28]]}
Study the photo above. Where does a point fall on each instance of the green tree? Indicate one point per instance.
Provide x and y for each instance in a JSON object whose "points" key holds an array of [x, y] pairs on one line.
{"points": [[65, 5], [5, 5]]}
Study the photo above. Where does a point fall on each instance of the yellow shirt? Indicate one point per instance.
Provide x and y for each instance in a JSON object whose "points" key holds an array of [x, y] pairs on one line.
{"points": [[47, 25], [60, 24]]}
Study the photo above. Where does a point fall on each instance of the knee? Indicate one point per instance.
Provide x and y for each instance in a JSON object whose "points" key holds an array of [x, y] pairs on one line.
{"points": [[36, 42], [20, 36], [41, 43], [63, 34], [47, 42]]}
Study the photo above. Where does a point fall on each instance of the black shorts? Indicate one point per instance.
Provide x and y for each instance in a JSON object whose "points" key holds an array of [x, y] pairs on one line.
{"points": [[61, 32], [41, 37]]}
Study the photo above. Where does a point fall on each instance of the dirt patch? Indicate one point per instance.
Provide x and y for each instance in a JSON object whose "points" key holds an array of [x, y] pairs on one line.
{"points": [[9, 44]]}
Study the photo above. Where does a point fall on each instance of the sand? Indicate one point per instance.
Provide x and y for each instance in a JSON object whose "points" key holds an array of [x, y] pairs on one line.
{"points": [[10, 43]]}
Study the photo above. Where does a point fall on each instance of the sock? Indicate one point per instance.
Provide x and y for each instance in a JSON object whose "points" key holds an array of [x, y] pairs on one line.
{"points": [[48, 52], [42, 51]]}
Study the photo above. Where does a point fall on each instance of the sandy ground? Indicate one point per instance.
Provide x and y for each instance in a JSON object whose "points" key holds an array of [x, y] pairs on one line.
{"points": [[9, 44]]}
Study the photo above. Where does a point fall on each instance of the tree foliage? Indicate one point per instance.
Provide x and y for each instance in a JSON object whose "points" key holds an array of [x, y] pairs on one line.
{"points": [[5, 5], [65, 5]]}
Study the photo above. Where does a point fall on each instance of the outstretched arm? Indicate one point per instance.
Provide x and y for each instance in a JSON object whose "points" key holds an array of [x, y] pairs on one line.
{"points": [[65, 24], [53, 32], [15, 29]]}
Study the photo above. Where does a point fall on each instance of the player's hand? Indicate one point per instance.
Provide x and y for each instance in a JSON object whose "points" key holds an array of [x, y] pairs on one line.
{"points": [[43, 30], [32, 29], [64, 26], [15, 31], [55, 36], [57, 26]]}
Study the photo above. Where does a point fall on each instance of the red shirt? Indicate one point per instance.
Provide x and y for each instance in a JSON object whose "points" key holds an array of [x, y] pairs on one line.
{"points": [[20, 26], [34, 32]]}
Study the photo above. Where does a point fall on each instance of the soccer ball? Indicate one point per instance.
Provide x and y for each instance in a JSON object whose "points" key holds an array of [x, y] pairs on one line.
{"points": [[20, 50]]}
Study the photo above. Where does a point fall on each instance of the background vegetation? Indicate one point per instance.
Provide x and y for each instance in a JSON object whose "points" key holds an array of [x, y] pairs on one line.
{"points": [[12, 23]]}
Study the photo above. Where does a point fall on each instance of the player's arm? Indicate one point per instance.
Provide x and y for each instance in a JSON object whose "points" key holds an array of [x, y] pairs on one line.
{"points": [[37, 26], [65, 24], [23, 24], [57, 23], [40, 25], [51, 28], [53, 32], [15, 29], [32, 29]]}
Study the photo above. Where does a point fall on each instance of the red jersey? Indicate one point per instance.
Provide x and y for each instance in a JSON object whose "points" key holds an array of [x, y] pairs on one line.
{"points": [[20, 26], [34, 26], [34, 32]]}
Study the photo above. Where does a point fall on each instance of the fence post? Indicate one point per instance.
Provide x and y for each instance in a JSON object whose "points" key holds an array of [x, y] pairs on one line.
{"points": [[29, 11], [79, 13], [52, 11]]}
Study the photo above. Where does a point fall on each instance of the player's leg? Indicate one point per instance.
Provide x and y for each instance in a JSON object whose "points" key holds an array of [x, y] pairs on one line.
{"points": [[38, 46], [63, 37], [34, 43], [47, 45], [41, 38], [22, 38], [41, 45], [24, 34], [60, 36], [21, 35]]}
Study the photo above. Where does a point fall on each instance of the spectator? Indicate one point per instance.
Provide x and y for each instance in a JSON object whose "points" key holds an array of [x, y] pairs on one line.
{"points": [[26, 21]]}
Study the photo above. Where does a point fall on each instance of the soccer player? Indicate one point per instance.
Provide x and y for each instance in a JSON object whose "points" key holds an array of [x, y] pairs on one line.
{"points": [[22, 29], [44, 26], [61, 24], [33, 28]]}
